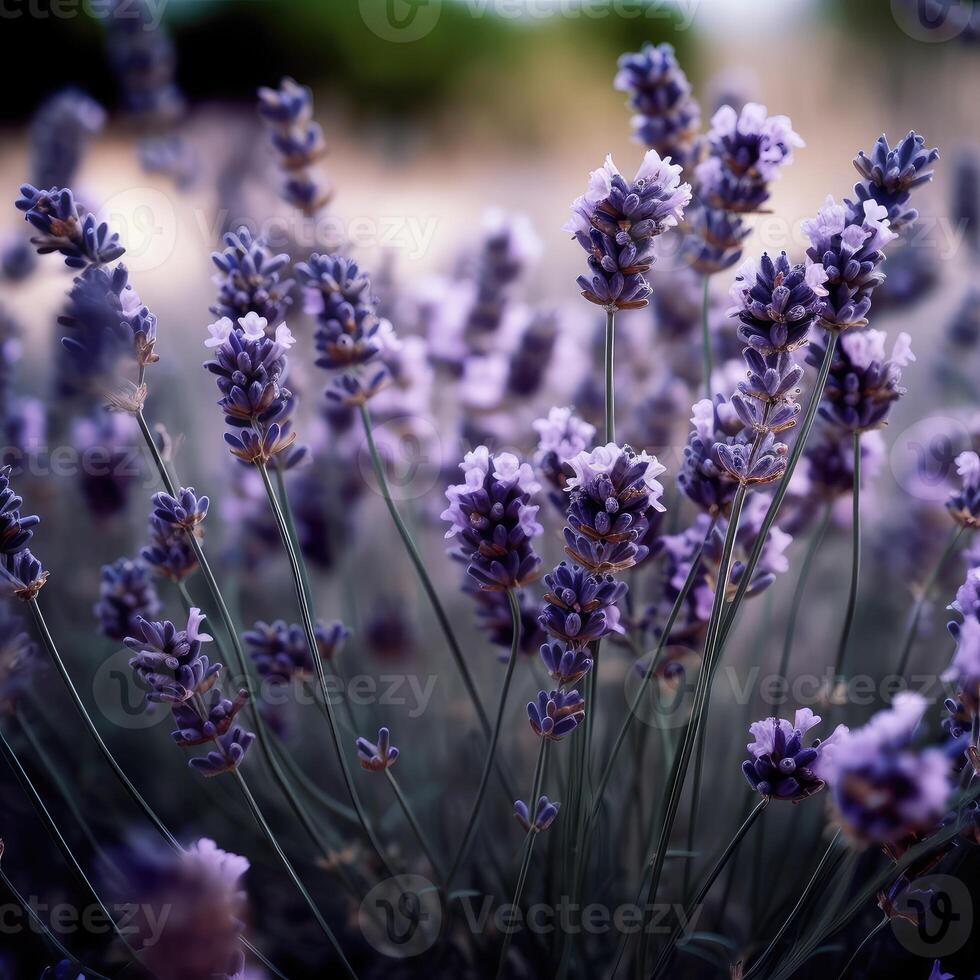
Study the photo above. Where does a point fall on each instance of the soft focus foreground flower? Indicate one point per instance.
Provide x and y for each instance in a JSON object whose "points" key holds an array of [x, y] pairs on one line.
{"points": [[376, 757], [22, 571], [280, 650], [562, 435], [126, 594], [964, 671], [616, 222], [544, 816], [492, 516], [964, 504], [250, 279], [781, 766], [60, 130], [884, 790], [667, 116]]}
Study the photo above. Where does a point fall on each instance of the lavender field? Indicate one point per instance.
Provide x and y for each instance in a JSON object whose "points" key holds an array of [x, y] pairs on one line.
{"points": [[490, 489]]}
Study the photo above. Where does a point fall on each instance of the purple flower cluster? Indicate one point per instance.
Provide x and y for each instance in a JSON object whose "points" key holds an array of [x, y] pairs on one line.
{"points": [[249, 279], [964, 504], [298, 142], [377, 756], [781, 766], [885, 791], [60, 130], [492, 516], [617, 221], [126, 595], [544, 817], [20, 568], [172, 520], [580, 608], [562, 435], [556, 714], [250, 370], [170, 663], [667, 117], [280, 650]]}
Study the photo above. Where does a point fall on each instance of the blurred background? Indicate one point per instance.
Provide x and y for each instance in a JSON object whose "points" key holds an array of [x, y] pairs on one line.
{"points": [[435, 113]]}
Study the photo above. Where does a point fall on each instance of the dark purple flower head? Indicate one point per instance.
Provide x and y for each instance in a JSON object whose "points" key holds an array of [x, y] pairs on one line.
{"points": [[616, 222], [250, 279], [280, 650], [864, 382], [17, 257], [126, 594], [781, 766], [185, 511], [24, 574], [492, 516], [828, 464], [890, 174], [197, 727], [494, 617], [667, 117], [169, 551], [614, 496], [60, 130], [561, 437], [703, 478], [230, 749], [580, 606], [566, 665], [886, 791], [64, 228], [15, 530], [964, 504], [532, 356], [376, 757], [964, 671], [556, 714], [544, 817]]}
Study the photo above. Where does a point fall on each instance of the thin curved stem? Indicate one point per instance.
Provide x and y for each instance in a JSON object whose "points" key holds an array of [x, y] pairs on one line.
{"points": [[801, 903], [515, 618], [923, 597], [709, 880], [295, 563], [609, 370], [291, 871], [855, 560], [287, 511], [413, 553], [864, 942], [413, 822], [528, 849], [706, 335]]}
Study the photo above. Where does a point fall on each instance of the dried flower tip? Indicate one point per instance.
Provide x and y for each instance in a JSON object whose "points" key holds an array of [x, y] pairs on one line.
{"points": [[129, 398], [379, 756]]}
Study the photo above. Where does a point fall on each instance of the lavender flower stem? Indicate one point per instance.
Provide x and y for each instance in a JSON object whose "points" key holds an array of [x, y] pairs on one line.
{"points": [[706, 335], [56, 835], [705, 887], [801, 902], [427, 585], [133, 792], [414, 824], [515, 617], [287, 511], [693, 730], [295, 563], [609, 373], [291, 871], [528, 849], [49, 936], [864, 942], [855, 560], [923, 597]]}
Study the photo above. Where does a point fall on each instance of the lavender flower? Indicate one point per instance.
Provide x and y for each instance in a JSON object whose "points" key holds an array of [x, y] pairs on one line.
{"points": [[964, 671], [965, 205], [613, 496], [781, 767], [544, 817], [703, 477], [15, 530], [377, 757], [557, 714], [561, 437], [186, 511], [494, 617], [492, 515], [298, 142], [884, 790], [108, 472], [249, 279], [580, 607], [169, 552], [280, 650], [964, 504], [566, 665], [126, 594], [24, 573], [250, 369], [616, 222], [668, 117], [60, 130], [531, 357], [65, 228], [863, 383]]}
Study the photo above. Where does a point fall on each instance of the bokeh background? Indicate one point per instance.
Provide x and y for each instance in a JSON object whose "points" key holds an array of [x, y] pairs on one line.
{"points": [[465, 108]]}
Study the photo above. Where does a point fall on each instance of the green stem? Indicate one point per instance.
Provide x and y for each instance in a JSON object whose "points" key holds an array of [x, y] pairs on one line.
{"points": [[49, 936], [428, 587], [287, 511], [923, 597], [610, 354], [295, 563], [706, 335], [515, 618], [705, 887], [414, 824], [864, 942], [528, 850], [855, 560], [291, 871], [801, 903]]}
